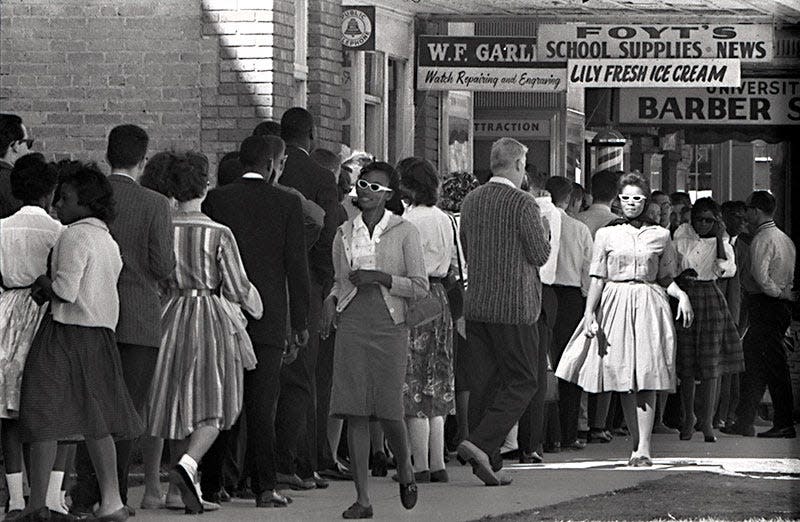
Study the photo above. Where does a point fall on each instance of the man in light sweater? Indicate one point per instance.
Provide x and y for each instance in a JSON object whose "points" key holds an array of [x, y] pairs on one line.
{"points": [[504, 243]]}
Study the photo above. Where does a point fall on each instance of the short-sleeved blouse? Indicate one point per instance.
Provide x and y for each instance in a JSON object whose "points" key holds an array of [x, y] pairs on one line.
{"points": [[626, 253]]}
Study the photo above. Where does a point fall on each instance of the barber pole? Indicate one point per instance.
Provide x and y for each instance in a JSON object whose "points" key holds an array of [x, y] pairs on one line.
{"points": [[609, 144]]}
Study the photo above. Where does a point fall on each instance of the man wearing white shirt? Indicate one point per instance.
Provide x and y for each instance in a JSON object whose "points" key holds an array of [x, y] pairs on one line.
{"points": [[772, 256]]}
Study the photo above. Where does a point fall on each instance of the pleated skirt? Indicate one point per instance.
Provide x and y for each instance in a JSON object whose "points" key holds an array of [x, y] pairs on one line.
{"points": [[20, 317], [634, 348], [199, 379], [710, 347], [73, 388]]}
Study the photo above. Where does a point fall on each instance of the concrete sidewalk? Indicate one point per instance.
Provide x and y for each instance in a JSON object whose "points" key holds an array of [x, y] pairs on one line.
{"points": [[465, 498]]}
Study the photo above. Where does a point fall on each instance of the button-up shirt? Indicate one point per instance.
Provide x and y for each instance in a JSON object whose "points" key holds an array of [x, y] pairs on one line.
{"points": [[627, 253], [596, 217], [701, 254], [436, 232], [26, 239], [551, 220], [772, 257], [363, 246], [574, 253]]}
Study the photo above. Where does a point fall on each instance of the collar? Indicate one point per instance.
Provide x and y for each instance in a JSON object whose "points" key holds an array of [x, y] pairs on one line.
{"points": [[502, 181], [358, 222], [298, 147], [124, 176], [33, 210], [767, 224], [5, 164], [90, 221], [252, 175]]}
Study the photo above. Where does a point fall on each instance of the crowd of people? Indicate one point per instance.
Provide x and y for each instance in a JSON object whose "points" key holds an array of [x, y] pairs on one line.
{"points": [[303, 297]]}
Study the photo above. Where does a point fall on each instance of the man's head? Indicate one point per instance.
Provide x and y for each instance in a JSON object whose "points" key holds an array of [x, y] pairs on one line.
{"points": [[267, 128], [127, 149], [560, 189], [276, 150], [507, 160], [681, 208], [255, 155], [604, 187], [14, 139], [328, 160], [734, 214], [297, 127], [760, 207], [665, 207]]}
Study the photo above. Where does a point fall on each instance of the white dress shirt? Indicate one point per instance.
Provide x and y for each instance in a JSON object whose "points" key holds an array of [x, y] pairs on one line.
{"points": [[551, 217], [700, 253], [596, 217], [574, 253], [26, 239], [436, 232], [772, 257]]}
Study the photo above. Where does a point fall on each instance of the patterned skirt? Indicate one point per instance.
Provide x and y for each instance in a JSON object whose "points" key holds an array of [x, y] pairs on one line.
{"points": [[199, 377], [710, 347], [429, 390], [634, 348], [73, 388], [20, 317]]}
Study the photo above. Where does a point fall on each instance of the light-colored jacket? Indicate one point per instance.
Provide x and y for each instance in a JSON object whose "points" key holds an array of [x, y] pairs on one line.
{"points": [[399, 254]]}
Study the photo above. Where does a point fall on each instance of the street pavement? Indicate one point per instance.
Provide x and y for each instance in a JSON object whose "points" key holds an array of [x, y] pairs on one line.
{"points": [[465, 498]]}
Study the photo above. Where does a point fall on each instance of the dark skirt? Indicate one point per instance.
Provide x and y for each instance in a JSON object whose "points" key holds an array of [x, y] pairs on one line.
{"points": [[369, 360], [710, 347], [72, 387]]}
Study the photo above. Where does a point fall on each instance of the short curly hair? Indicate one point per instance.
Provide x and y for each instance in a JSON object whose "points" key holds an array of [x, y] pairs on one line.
{"points": [[94, 191], [706, 205], [419, 181], [636, 180], [32, 178], [156, 173], [189, 175]]}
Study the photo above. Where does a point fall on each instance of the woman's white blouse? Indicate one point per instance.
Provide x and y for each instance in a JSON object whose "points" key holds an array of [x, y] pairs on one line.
{"points": [[701, 255], [362, 247]]}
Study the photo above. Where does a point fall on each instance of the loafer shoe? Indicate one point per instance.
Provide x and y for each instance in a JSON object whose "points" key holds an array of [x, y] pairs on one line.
{"points": [[440, 476], [180, 478], [787, 432], [269, 499], [530, 458], [479, 461], [320, 482], [408, 495], [357, 511]]}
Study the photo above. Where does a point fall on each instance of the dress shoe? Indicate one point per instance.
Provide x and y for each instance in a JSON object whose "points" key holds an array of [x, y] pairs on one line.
{"points": [[599, 435], [787, 432], [710, 438], [440, 476], [736, 429], [660, 428], [180, 478], [408, 495], [269, 499], [479, 461], [339, 471], [320, 482], [120, 515], [530, 458], [380, 465], [294, 482], [210, 506], [574, 445], [357, 511]]}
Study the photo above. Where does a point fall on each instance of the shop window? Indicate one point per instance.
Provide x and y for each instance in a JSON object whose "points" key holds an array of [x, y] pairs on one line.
{"points": [[374, 131], [300, 95], [700, 180]]}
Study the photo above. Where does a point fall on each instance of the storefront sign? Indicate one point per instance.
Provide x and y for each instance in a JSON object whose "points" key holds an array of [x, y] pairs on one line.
{"points": [[485, 63], [654, 73], [758, 101], [750, 43], [358, 27], [500, 128]]}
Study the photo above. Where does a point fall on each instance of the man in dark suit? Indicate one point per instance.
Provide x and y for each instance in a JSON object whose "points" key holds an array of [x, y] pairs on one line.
{"points": [[14, 143], [297, 444], [268, 225], [143, 231]]}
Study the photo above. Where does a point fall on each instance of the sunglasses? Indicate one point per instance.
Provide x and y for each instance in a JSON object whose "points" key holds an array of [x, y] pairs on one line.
{"points": [[374, 187], [28, 141], [636, 199]]}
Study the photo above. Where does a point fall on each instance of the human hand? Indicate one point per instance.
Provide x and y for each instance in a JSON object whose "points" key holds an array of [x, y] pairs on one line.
{"points": [[685, 312], [367, 277], [590, 326], [290, 354], [328, 316], [41, 290], [300, 337]]}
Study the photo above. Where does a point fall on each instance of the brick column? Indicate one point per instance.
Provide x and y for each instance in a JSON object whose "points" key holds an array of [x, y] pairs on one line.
{"points": [[325, 71]]}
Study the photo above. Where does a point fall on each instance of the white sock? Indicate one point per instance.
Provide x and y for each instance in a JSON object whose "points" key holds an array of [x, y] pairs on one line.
{"points": [[189, 464], [418, 435], [437, 443], [54, 491], [16, 497]]}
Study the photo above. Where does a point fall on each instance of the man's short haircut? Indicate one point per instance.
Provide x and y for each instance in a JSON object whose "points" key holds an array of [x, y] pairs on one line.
{"points": [[127, 146], [733, 207], [254, 152], [763, 201], [505, 152], [604, 186], [276, 147], [229, 170], [680, 198], [10, 131], [560, 189], [296, 123], [327, 159], [267, 128]]}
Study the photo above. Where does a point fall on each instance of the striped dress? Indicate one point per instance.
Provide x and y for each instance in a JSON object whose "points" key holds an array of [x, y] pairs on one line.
{"points": [[204, 345]]}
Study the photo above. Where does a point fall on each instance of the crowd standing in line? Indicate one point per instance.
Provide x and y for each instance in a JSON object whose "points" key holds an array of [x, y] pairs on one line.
{"points": [[307, 296]]}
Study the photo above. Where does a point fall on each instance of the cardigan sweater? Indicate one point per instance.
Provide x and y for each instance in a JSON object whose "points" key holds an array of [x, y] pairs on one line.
{"points": [[504, 243]]}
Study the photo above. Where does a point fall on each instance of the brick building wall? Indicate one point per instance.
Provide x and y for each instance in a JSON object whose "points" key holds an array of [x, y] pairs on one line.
{"points": [[427, 103], [196, 74]]}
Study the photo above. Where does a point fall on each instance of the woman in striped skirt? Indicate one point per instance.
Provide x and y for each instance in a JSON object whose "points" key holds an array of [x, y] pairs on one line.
{"points": [[197, 388], [710, 347]]}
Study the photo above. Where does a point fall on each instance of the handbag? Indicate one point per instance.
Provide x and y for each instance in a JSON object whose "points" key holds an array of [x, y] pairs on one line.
{"points": [[454, 286], [423, 311]]}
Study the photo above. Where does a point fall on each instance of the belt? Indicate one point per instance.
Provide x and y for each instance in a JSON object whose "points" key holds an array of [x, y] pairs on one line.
{"points": [[191, 292], [16, 287]]}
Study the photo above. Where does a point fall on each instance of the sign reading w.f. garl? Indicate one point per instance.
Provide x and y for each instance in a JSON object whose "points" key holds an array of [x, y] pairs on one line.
{"points": [[746, 42], [485, 63]]}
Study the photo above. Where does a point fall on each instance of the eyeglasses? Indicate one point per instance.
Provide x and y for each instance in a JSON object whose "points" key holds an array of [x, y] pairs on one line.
{"points": [[28, 141], [635, 198], [374, 187]]}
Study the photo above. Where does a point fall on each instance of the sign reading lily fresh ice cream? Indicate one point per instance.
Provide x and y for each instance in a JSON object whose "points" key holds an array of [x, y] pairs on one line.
{"points": [[749, 43], [485, 63], [654, 73], [758, 101]]}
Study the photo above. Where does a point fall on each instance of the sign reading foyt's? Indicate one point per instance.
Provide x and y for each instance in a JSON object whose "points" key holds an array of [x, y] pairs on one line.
{"points": [[750, 43], [654, 73], [758, 101], [485, 63]]}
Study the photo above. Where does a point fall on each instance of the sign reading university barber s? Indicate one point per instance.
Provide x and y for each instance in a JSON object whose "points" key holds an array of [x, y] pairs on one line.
{"points": [[757, 101], [746, 42], [358, 27], [626, 72], [485, 63]]}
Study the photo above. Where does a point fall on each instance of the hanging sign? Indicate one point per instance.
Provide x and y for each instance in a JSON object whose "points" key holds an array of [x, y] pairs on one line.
{"points": [[758, 101], [747, 42], [511, 127], [485, 63], [654, 73], [358, 27]]}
